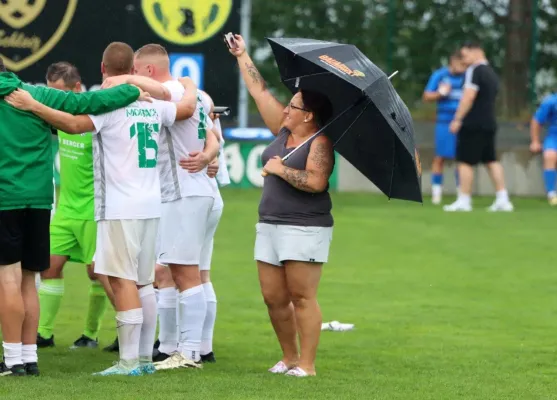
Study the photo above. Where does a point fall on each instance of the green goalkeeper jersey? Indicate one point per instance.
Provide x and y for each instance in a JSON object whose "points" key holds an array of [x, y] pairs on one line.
{"points": [[77, 197]]}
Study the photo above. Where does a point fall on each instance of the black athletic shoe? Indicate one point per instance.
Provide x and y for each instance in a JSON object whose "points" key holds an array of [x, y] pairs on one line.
{"points": [[85, 342], [32, 369], [42, 342], [16, 370], [114, 347], [158, 356], [208, 358], [157, 344]]}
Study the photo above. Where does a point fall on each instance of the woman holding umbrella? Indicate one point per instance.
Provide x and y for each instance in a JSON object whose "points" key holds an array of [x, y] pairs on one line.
{"points": [[295, 222]]}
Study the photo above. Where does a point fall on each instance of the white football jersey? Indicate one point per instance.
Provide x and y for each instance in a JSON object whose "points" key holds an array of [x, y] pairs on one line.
{"points": [[222, 176], [218, 203], [125, 152], [176, 143]]}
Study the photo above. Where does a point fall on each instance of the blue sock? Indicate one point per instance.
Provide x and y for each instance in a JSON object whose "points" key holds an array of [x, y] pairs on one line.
{"points": [[549, 178], [457, 180], [436, 179]]}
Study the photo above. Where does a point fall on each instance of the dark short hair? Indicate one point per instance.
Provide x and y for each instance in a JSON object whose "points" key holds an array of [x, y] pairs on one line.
{"points": [[118, 58], [472, 44], [456, 55], [65, 71], [319, 105], [2, 66]]}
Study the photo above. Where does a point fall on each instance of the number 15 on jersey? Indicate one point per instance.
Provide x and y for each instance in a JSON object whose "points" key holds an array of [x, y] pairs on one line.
{"points": [[147, 147]]}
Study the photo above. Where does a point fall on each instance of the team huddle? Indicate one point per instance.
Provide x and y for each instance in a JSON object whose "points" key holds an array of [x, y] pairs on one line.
{"points": [[138, 189]]}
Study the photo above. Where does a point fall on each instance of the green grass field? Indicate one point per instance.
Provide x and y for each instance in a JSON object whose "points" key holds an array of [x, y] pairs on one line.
{"points": [[446, 306]]}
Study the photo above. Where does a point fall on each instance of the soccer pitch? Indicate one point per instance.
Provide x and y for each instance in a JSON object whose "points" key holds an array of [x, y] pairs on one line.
{"points": [[446, 306]]}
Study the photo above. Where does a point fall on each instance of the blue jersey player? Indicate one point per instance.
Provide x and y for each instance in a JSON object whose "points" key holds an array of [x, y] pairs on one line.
{"points": [[546, 115], [444, 87]]}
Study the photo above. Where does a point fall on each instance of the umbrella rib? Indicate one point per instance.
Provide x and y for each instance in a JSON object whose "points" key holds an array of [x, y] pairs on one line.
{"points": [[353, 122], [309, 75]]}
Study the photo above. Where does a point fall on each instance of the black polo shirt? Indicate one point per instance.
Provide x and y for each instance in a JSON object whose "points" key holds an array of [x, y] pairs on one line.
{"points": [[482, 78]]}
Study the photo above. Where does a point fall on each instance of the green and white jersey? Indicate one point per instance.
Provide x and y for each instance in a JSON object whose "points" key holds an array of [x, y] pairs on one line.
{"points": [[125, 153], [177, 142]]}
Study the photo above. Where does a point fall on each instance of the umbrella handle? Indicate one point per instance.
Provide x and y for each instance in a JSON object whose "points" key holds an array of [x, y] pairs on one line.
{"points": [[264, 173]]}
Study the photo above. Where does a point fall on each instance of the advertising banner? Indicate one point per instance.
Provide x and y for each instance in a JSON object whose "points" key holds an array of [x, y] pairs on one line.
{"points": [[35, 34]]}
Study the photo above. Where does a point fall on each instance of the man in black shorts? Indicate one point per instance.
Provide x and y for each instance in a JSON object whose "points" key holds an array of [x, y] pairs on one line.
{"points": [[476, 126]]}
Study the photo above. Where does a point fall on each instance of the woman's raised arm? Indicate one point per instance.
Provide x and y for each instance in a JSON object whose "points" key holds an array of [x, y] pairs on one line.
{"points": [[269, 107]]}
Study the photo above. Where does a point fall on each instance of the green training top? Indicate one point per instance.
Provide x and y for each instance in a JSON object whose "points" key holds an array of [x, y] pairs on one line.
{"points": [[77, 195], [25, 139]]}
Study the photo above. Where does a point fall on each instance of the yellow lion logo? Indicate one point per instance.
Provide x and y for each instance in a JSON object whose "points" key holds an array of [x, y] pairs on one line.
{"points": [[186, 22]]}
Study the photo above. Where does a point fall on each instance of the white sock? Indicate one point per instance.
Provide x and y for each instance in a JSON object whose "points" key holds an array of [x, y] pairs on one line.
{"points": [[149, 326], [210, 318], [464, 198], [29, 353], [436, 190], [37, 281], [502, 195], [551, 194], [12, 354], [192, 310], [168, 327], [129, 331]]}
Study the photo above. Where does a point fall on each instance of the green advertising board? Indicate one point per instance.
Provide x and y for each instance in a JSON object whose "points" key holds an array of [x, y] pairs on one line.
{"points": [[243, 158]]}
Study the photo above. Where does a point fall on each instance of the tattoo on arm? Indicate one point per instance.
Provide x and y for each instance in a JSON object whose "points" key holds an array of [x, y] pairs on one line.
{"points": [[297, 178], [322, 157], [254, 74], [313, 180]]}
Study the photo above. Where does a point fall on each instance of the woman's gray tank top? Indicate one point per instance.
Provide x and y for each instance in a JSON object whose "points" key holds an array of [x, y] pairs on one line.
{"points": [[283, 204]]}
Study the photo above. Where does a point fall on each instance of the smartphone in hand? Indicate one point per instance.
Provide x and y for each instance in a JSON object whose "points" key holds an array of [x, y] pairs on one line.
{"points": [[230, 40]]}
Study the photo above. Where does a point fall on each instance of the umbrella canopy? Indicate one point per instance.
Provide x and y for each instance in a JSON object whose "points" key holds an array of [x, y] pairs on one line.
{"points": [[371, 126]]}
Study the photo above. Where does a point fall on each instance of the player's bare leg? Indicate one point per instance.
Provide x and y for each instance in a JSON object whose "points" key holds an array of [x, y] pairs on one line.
{"points": [[30, 323], [12, 315]]}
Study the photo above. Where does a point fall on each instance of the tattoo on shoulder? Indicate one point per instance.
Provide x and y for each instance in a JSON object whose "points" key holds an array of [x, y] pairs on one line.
{"points": [[254, 74], [323, 157]]}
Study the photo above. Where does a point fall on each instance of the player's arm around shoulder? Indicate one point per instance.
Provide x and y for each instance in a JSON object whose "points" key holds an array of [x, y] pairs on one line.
{"points": [[21, 99], [187, 105], [92, 102], [155, 89]]}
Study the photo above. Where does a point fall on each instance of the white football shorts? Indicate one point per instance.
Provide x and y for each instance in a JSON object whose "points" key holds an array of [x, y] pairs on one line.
{"points": [[126, 249]]}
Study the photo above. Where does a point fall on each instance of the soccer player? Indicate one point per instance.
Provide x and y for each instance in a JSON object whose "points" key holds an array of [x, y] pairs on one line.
{"points": [[444, 87], [475, 125], [546, 114], [26, 197], [127, 200], [207, 354], [168, 332], [188, 199], [73, 230]]}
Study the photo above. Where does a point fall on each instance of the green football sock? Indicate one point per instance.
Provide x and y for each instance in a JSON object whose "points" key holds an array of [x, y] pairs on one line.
{"points": [[51, 292], [97, 307]]}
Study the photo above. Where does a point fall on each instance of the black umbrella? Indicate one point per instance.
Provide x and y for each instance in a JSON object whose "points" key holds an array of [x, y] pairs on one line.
{"points": [[371, 126]]}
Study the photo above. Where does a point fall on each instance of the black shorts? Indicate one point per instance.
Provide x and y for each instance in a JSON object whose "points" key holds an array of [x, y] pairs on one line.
{"points": [[475, 146], [25, 238]]}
